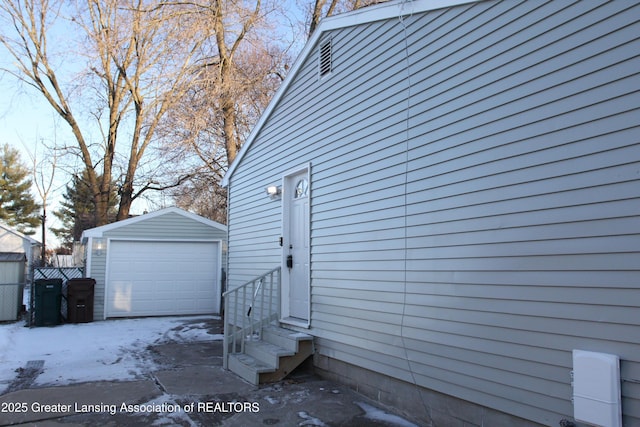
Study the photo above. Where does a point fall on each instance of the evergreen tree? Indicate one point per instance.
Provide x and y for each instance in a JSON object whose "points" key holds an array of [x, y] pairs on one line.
{"points": [[78, 210], [18, 208]]}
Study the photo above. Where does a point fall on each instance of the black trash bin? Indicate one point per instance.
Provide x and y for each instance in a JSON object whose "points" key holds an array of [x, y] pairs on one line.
{"points": [[48, 301], [80, 300]]}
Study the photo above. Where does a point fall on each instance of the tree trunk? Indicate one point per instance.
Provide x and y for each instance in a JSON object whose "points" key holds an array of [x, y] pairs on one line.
{"points": [[126, 199], [102, 208], [229, 119]]}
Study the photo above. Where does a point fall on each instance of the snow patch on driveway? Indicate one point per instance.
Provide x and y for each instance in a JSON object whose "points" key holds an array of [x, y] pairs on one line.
{"points": [[376, 414], [97, 351]]}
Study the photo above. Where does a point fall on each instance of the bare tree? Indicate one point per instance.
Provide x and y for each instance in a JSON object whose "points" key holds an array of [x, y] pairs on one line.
{"points": [[186, 80], [203, 198], [246, 65], [243, 67], [136, 65], [44, 170], [239, 73]]}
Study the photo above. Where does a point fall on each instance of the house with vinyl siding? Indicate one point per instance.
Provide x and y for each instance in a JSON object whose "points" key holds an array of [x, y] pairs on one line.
{"points": [[453, 199]]}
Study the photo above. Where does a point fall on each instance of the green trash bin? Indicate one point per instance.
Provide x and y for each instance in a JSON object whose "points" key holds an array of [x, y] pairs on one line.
{"points": [[48, 302]]}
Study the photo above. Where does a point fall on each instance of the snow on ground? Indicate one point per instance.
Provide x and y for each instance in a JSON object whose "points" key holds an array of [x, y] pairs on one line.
{"points": [[97, 351], [376, 414], [310, 421]]}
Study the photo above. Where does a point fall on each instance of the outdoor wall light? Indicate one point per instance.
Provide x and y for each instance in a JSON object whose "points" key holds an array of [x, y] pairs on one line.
{"points": [[274, 191], [98, 246]]}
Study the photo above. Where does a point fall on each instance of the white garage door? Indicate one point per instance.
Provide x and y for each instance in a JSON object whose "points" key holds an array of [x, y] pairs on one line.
{"points": [[156, 278]]}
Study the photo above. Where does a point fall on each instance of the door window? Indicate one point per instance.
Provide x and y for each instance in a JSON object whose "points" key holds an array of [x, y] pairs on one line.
{"points": [[302, 188]]}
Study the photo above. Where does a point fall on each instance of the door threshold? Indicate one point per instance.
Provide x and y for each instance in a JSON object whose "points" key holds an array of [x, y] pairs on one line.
{"points": [[294, 321]]}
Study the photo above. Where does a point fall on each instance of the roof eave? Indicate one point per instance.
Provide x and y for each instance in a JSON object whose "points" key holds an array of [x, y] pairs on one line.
{"points": [[9, 229], [98, 232]]}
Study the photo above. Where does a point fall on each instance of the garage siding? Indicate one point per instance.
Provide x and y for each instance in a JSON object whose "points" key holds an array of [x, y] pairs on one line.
{"points": [[168, 226], [98, 273]]}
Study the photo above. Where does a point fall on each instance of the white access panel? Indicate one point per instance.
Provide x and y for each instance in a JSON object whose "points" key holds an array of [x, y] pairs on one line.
{"points": [[596, 389]]}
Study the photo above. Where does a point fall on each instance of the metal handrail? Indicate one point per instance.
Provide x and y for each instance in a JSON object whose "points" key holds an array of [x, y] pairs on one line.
{"points": [[262, 295]]}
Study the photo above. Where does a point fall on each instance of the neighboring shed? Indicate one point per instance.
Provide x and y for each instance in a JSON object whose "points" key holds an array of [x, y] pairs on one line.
{"points": [[454, 190], [12, 241], [12, 280], [12, 267], [167, 262]]}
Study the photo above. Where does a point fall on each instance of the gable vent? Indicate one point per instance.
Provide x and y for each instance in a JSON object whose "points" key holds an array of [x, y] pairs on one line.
{"points": [[325, 58]]}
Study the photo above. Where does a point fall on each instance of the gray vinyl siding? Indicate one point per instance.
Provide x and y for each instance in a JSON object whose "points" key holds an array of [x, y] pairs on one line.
{"points": [[170, 226], [98, 272], [473, 217]]}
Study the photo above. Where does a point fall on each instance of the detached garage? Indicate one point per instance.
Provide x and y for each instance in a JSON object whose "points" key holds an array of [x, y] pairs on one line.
{"points": [[164, 263]]}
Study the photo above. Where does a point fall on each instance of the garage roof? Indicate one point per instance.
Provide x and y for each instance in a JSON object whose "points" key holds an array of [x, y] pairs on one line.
{"points": [[99, 231], [10, 230], [12, 257]]}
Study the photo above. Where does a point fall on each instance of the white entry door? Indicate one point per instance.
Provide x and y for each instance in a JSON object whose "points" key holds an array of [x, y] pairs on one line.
{"points": [[295, 298]]}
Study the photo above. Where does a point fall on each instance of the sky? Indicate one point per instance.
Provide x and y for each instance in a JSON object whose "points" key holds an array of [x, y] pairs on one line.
{"points": [[27, 122]]}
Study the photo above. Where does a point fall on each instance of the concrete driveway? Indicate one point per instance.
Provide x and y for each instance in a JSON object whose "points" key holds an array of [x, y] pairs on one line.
{"points": [[188, 387]]}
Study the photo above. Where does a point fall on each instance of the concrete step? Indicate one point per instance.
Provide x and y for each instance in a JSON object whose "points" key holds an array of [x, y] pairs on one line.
{"points": [[285, 338], [272, 357], [266, 352], [286, 364], [248, 367]]}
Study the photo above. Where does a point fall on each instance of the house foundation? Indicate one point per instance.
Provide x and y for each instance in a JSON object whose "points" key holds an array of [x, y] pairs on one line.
{"points": [[420, 405]]}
